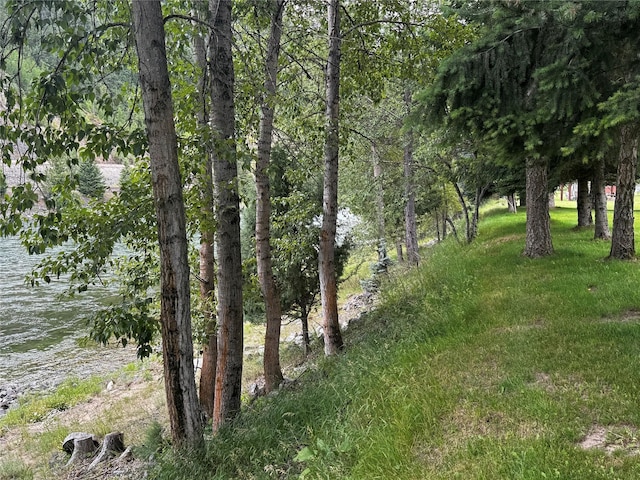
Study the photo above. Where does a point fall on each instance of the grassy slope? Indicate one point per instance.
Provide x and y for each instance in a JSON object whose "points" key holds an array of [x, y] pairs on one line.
{"points": [[481, 364]]}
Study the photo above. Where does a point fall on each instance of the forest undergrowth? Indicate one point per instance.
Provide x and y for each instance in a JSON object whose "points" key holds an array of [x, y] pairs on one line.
{"points": [[480, 363]]}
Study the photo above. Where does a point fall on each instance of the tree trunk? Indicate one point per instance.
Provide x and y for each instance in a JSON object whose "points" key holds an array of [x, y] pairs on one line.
{"points": [[377, 178], [304, 320], [399, 249], [206, 257], [511, 202], [538, 240], [411, 229], [326, 257], [227, 205], [444, 223], [209, 347], [271, 295], [475, 219], [622, 240], [175, 310], [465, 212], [601, 231], [584, 202]]}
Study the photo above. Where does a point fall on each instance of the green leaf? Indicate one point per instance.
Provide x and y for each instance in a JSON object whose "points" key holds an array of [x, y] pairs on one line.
{"points": [[305, 455]]}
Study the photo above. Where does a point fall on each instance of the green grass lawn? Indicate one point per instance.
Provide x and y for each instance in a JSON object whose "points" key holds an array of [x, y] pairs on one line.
{"points": [[481, 364]]}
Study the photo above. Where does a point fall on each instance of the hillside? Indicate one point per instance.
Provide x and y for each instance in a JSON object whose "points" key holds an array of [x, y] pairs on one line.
{"points": [[479, 364]]}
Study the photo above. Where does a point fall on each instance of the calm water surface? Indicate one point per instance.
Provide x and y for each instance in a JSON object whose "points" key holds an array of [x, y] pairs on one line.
{"points": [[39, 329]]}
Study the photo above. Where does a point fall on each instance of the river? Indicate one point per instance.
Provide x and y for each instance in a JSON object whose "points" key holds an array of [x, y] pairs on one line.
{"points": [[39, 329]]}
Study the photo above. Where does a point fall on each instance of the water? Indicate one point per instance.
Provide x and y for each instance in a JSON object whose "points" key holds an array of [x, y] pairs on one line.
{"points": [[39, 328]]}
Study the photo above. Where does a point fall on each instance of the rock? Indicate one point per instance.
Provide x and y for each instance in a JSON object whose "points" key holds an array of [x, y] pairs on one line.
{"points": [[69, 441], [257, 388]]}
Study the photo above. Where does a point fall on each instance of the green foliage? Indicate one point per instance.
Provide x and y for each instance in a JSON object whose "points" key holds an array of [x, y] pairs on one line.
{"points": [[90, 179], [3, 184]]}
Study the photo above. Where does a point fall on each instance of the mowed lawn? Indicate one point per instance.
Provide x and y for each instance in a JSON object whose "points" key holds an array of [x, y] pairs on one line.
{"points": [[480, 364]]}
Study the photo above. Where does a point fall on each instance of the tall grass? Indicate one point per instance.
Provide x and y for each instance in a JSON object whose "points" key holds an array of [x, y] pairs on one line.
{"points": [[479, 364]]}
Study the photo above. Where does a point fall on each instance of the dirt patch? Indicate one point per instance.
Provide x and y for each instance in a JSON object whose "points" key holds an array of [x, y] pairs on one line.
{"points": [[612, 439], [128, 405], [538, 323], [467, 423], [630, 316], [506, 239]]}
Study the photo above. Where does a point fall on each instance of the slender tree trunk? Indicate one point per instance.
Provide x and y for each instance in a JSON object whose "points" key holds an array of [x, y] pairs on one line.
{"points": [[377, 178], [399, 249], [584, 202], [601, 231], [175, 310], [272, 371], [209, 347], [227, 204], [622, 239], [326, 257], [206, 257], [411, 228], [304, 320], [465, 211], [511, 202], [444, 223], [475, 219], [538, 240]]}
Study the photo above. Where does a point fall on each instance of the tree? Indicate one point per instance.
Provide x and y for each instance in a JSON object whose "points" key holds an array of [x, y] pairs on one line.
{"points": [[227, 204], [326, 258], [175, 316], [622, 239], [207, 237], [90, 179], [272, 370], [505, 89]]}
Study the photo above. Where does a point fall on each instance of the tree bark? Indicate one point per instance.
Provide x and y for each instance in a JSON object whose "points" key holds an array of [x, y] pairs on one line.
{"points": [[601, 231], [377, 178], [411, 229], [326, 257], [209, 347], [271, 295], [227, 207], [511, 202], [206, 254], [538, 239], [175, 309], [584, 202], [622, 239], [465, 212]]}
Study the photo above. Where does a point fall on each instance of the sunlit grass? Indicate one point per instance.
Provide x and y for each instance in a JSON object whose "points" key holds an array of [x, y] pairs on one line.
{"points": [[481, 364]]}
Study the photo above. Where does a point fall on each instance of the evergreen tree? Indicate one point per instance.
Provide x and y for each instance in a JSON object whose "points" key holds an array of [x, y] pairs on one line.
{"points": [[90, 179]]}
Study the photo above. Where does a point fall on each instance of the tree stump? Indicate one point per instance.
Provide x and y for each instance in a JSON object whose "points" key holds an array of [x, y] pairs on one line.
{"points": [[83, 446], [113, 443]]}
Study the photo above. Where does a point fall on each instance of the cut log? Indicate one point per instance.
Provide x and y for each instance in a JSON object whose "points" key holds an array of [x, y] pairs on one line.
{"points": [[113, 444], [83, 448], [68, 442]]}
